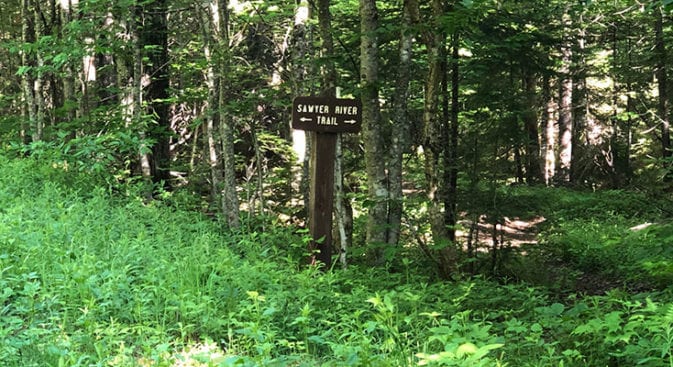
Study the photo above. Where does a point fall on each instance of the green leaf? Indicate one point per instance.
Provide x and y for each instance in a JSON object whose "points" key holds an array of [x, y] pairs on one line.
{"points": [[269, 311], [556, 309], [483, 351], [466, 349], [23, 70]]}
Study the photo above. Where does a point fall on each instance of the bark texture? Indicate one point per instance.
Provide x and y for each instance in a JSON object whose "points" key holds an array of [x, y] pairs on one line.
{"points": [[372, 131], [401, 126], [662, 85], [565, 121], [435, 141]]}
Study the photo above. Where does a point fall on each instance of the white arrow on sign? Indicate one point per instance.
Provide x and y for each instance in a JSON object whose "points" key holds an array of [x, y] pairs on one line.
{"points": [[304, 119], [350, 121]]}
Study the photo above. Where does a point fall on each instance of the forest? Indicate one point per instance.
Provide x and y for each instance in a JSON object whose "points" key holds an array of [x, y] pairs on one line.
{"points": [[506, 201]]}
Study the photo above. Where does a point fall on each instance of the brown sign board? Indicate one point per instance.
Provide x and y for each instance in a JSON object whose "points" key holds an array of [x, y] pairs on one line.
{"points": [[325, 114]]}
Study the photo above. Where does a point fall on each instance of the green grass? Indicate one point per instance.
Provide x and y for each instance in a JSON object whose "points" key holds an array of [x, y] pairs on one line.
{"points": [[87, 279]]}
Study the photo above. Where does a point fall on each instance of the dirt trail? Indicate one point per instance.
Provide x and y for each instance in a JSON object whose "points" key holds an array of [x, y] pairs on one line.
{"points": [[512, 232]]}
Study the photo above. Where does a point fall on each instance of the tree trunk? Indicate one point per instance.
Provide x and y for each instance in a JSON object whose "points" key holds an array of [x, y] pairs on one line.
{"points": [[434, 142], [230, 202], [259, 170], [230, 196], [630, 111], [533, 172], [212, 122], [432, 136], [38, 93], [68, 77], [125, 70], [548, 123], [518, 164], [87, 102], [612, 154], [451, 158], [584, 125], [663, 108], [105, 60], [329, 75], [372, 131], [342, 211], [129, 77], [301, 47], [154, 41], [563, 175], [399, 141], [27, 80]]}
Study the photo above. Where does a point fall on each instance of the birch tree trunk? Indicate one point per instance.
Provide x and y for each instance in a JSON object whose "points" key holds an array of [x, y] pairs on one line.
{"points": [[230, 201], [435, 141], [400, 121], [548, 165], [218, 126], [342, 212], [211, 126], [372, 131], [432, 134]]}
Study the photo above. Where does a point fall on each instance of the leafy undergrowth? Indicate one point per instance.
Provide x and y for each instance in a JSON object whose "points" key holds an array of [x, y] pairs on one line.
{"points": [[91, 281], [605, 240]]}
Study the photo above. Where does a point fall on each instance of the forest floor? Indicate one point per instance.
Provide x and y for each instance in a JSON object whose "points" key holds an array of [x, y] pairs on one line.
{"points": [[520, 233], [513, 232]]}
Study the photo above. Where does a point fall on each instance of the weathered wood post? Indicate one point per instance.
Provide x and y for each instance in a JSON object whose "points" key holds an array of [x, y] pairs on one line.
{"points": [[325, 118]]}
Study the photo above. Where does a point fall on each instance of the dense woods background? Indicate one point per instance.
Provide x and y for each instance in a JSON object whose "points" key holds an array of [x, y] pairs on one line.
{"points": [[508, 201]]}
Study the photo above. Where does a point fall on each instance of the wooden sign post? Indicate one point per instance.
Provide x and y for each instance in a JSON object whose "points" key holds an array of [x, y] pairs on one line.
{"points": [[325, 118]]}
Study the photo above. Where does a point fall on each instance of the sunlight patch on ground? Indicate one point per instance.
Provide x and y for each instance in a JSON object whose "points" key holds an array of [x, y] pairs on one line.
{"points": [[641, 226], [196, 355], [202, 354], [513, 232]]}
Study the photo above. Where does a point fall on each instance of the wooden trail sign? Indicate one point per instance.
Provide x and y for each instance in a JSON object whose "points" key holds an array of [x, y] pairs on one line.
{"points": [[328, 115], [325, 117]]}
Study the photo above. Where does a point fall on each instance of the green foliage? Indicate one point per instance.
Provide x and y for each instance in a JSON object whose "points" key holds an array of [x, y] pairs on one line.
{"points": [[621, 235], [458, 337], [618, 249], [91, 280], [591, 240], [103, 158]]}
